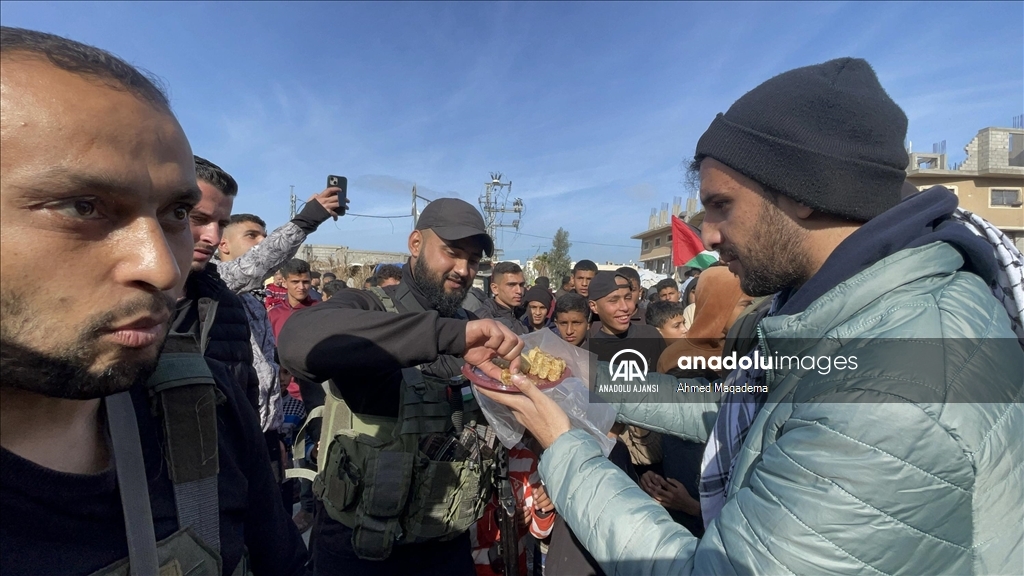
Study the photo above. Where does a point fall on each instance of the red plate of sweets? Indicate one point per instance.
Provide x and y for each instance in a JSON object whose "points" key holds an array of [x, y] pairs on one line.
{"points": [[535, 365]]}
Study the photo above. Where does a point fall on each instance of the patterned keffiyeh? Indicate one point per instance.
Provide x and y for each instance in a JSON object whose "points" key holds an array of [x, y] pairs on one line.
{"points": [[1009, 288], [735, 416]]}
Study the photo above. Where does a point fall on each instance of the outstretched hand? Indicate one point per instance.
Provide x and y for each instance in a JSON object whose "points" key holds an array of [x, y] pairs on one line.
{"points": [[533, 409], [670, 493], [487, 339], [330, 201]]}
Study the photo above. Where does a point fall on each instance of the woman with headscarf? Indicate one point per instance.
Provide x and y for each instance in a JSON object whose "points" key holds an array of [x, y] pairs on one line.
{"points": [[719, 301]]}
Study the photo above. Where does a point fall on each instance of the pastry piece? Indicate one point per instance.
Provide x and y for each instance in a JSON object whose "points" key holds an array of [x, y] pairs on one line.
{"points": [[543, 365], [535, 363]]}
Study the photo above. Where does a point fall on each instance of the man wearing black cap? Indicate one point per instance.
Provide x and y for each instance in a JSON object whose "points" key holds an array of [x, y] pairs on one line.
{"points": [[369, 344], [611, 300], [907, 463]]}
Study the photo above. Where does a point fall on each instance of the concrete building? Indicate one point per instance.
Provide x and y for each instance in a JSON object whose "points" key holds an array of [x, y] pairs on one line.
{"points": [[990, 182], [656, 241], [347, 262]]}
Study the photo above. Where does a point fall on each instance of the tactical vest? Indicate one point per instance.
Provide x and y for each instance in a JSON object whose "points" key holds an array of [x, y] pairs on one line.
{"points": [[377, 477], [184, 398]]}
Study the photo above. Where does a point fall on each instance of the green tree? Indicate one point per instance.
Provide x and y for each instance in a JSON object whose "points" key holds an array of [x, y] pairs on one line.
{"points": [[557, 259]]}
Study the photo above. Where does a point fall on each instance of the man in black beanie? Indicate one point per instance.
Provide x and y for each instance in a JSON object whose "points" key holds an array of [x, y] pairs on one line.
{"points": [[906, 463]]}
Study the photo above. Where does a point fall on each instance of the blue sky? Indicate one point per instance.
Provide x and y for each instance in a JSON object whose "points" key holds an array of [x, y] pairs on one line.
{"points": [[589, 108]]}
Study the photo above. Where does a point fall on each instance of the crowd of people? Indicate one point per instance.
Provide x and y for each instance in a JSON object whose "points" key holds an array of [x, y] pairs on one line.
{"points": [[198, 397]]}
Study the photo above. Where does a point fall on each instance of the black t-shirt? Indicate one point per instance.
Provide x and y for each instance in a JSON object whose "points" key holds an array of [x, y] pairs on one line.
{"points": [[58, 523], [643, 338]]}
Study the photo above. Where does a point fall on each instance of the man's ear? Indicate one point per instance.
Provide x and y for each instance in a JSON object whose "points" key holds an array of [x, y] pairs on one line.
{"points": [[223, 247], [416, 243], [593, 306]]}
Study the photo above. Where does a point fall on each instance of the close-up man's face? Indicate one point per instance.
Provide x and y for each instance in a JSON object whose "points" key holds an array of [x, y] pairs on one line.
{"points": [[98, 184], [239, 238], [297, 286], [581, 281], [572, 326], [669, 294], [508, 289], [538, 313], [759, 241], [444, 270], [614, 310], [208, 220]]}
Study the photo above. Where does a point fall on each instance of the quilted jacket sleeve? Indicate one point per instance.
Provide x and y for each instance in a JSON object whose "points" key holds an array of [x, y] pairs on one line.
{"points": [[813, 504], [689, 415]]}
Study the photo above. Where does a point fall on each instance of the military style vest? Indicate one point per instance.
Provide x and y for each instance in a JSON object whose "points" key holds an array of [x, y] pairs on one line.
{"points": [[425, 475], [184, 398]]}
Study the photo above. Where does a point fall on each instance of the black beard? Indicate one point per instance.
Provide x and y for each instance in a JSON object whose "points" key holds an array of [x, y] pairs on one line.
{"points": [[431, 286], [774, 259], [66, 374], [66, 377]]}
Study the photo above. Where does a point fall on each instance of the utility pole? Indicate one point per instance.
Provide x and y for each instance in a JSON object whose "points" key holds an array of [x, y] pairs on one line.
{"points": [[291, 198], [415, 210], [493, 207]]}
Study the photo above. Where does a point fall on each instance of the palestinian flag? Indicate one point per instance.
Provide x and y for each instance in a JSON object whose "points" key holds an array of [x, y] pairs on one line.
{"points": [[688, 248]]}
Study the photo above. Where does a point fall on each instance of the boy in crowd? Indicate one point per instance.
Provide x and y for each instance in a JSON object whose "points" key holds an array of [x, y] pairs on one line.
{"points": [[275, 291], [296, 284], [566, 287], [389, 275], [508, 285], [668, 290], [582, 274], [333, 287], [571, 314], [667, 317], [314, 286], [639, 304], [538, 302], [611, 300]]}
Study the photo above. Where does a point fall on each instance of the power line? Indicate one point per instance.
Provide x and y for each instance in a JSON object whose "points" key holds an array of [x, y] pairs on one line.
{"points": [[577, 241], [374, 216]]}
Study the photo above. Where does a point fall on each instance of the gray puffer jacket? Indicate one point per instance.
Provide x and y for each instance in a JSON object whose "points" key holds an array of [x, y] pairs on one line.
{"points": [[911, 463]]}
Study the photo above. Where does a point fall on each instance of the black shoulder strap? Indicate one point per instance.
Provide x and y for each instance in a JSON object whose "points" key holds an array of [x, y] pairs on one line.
{"points": [[132, 484], [186, 398]]}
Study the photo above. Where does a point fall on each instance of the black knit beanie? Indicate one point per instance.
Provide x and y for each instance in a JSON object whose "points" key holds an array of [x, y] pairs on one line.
{"points": [[827, 136], [538, 294]]}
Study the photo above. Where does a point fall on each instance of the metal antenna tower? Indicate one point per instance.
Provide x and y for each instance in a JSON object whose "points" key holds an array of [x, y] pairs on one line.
{"points": [[291, 198], [493, 204]]}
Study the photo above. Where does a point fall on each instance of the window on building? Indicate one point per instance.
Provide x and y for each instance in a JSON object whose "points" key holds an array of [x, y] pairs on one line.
{"points": [[647, 245], [657, 241], [668, 240], [1004, 197], [953, 189]]}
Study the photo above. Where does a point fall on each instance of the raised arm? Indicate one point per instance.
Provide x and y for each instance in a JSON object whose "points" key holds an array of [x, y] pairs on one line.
{"points": [[248, 271]]}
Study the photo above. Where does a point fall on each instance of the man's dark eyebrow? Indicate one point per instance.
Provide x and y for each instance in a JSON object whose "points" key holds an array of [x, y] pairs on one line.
{"points": [[61, 177], [705, 200]]}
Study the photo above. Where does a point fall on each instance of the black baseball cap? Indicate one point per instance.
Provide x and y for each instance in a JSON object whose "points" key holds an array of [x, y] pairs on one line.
{"points": [[604, 283], [454, 219]]}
